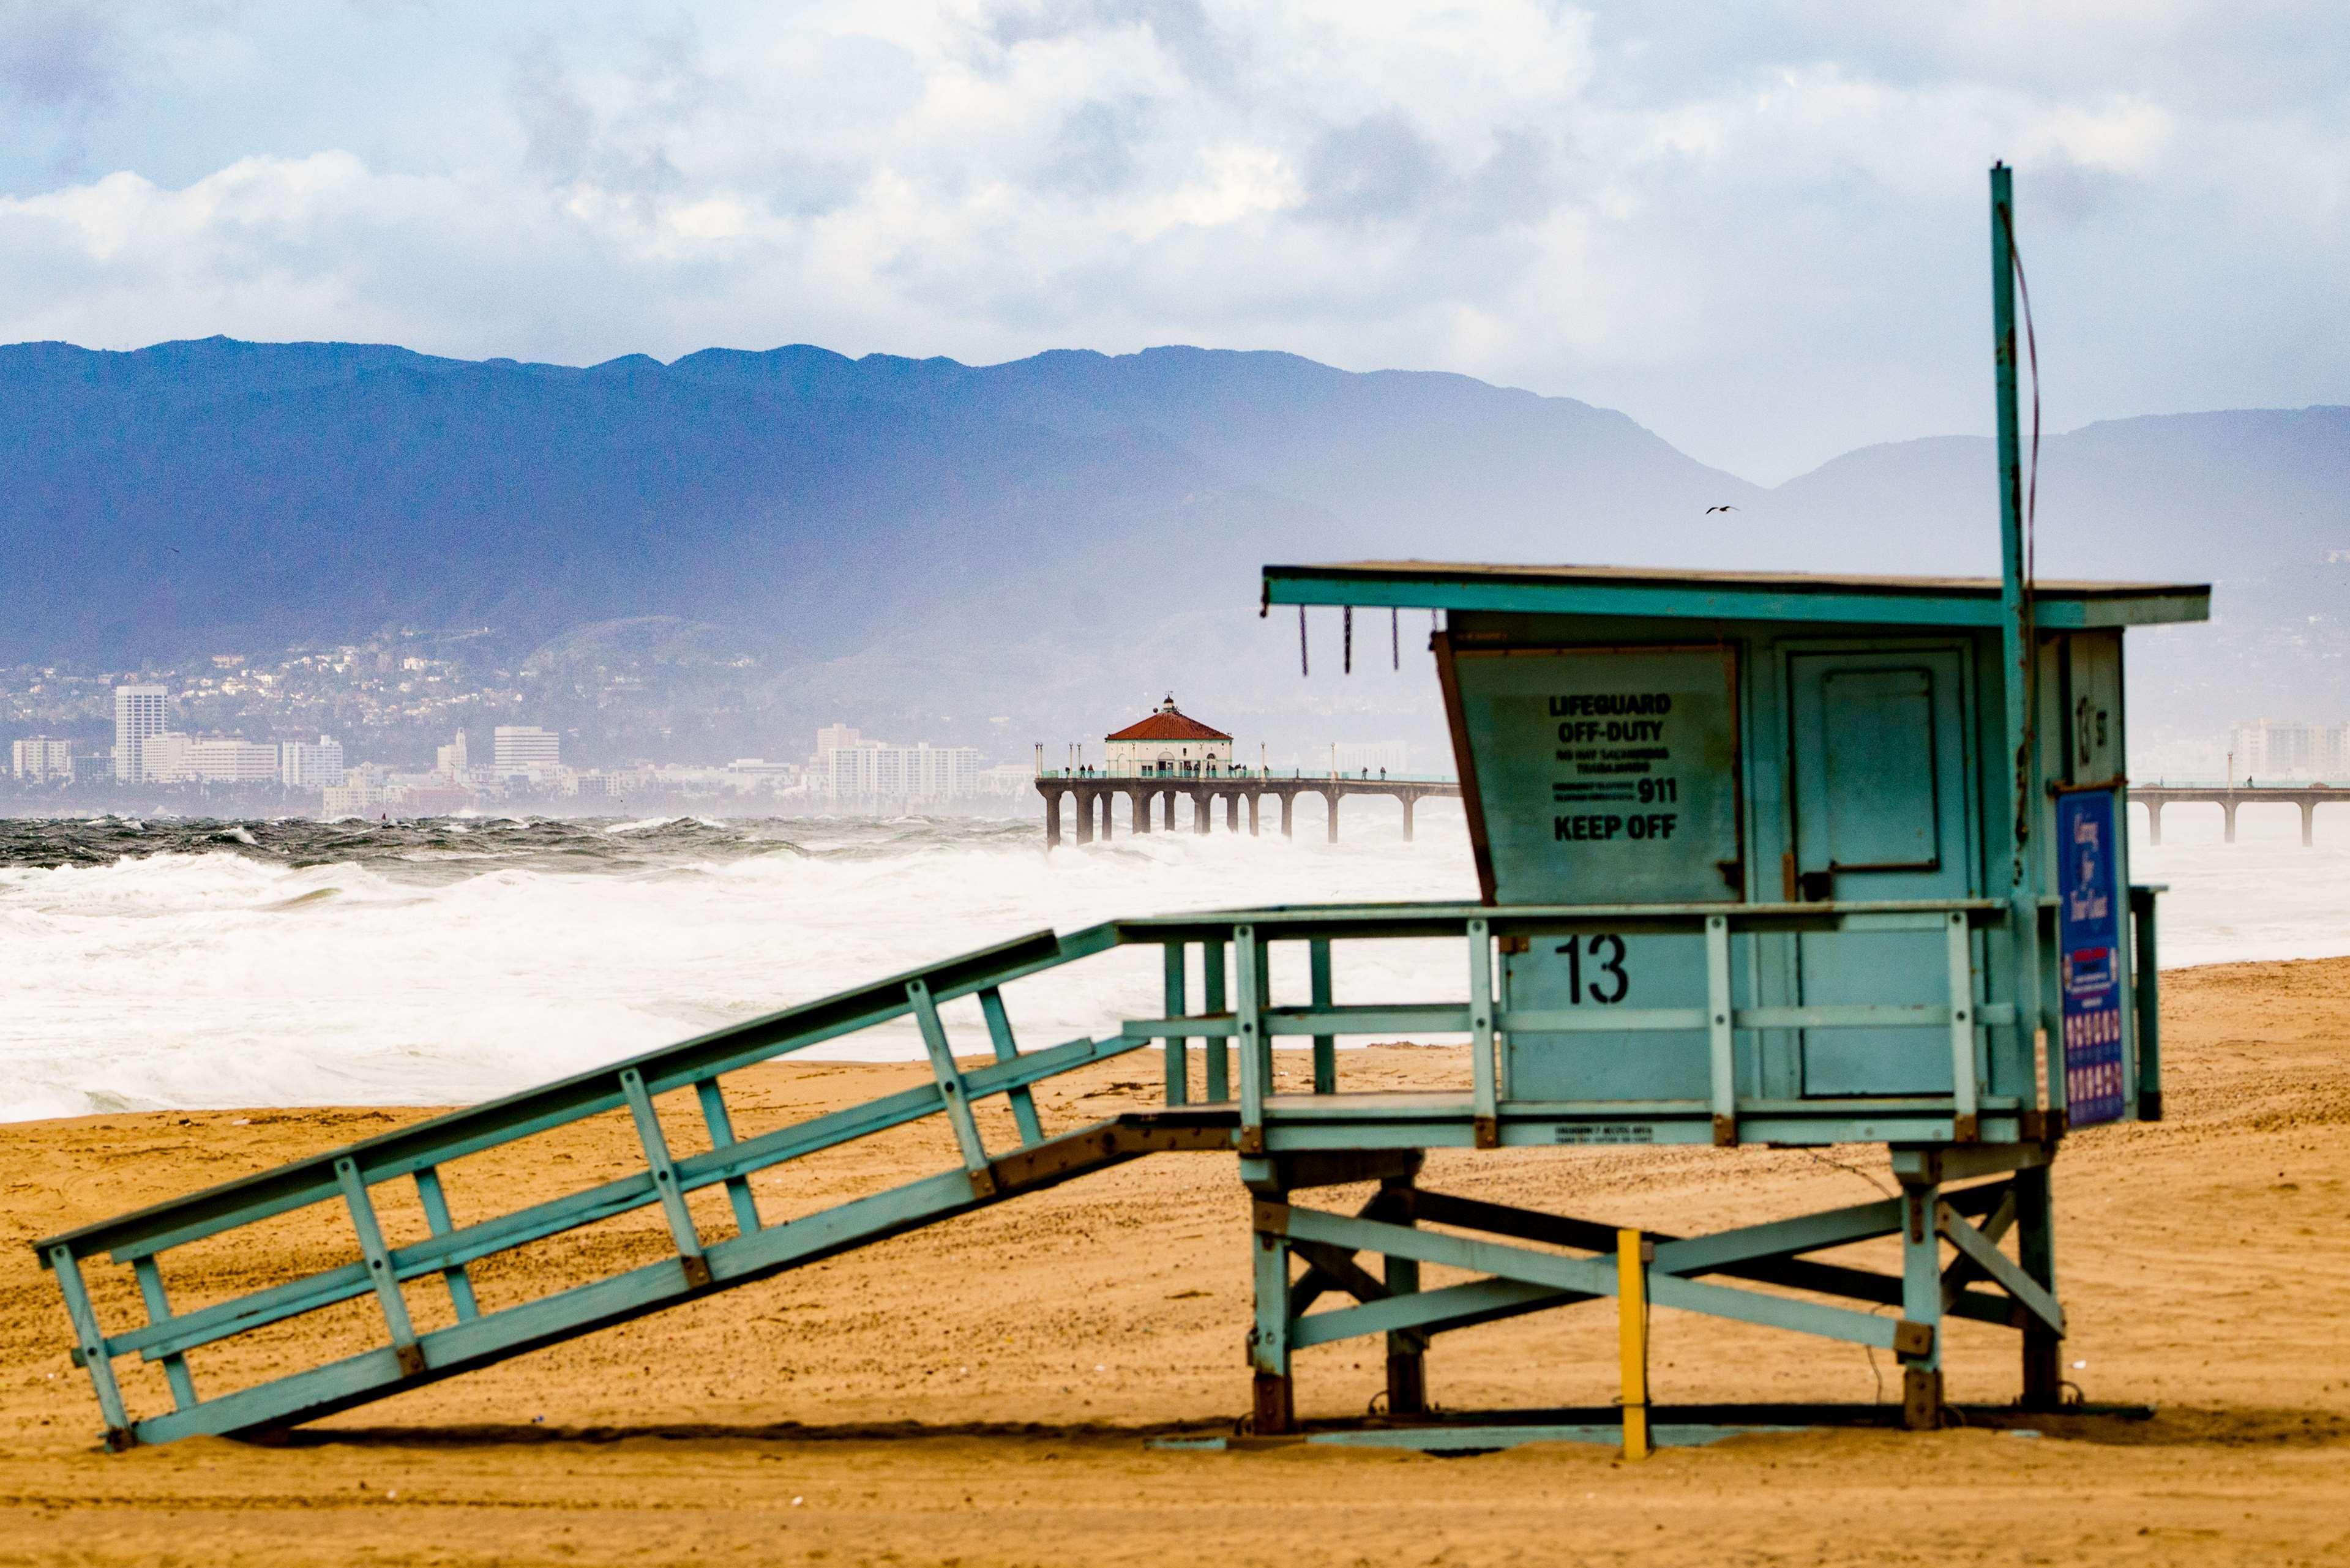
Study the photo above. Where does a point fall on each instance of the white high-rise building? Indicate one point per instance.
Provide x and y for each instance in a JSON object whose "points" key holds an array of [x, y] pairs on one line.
{"points": [[2280, 749], [138, 712], [877, 770], [304, 765], [169, 756], [521, 748], [451, 759], [40, 758]]}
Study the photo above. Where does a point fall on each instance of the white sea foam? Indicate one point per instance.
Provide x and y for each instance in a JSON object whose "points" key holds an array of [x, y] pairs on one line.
{"points": [[223, 978]]}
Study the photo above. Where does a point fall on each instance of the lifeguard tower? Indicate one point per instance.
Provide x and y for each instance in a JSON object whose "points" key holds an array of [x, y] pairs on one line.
{"points": [[1786, 860]]}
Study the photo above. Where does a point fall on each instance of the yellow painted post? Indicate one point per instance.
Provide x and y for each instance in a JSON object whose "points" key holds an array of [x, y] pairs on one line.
{"points": [[1632, 1336]]}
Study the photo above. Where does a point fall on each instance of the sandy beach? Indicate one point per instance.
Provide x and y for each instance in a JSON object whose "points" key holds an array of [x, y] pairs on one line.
{"points": [[981, 1393]]}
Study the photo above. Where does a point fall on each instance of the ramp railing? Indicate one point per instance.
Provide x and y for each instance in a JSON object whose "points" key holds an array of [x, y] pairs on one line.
{"points": [[352, 1177]]}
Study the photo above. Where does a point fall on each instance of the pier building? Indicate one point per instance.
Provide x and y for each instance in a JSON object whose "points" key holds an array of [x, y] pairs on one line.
{"points": [[1169, 744]]}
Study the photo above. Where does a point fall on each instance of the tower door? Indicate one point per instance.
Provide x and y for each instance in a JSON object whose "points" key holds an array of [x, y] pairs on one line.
{"points": [[1881, 813]]}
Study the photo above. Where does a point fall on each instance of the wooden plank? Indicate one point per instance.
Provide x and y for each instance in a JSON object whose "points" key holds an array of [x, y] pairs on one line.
{"points": [[681, 1228], [96, 1359], [1779, 1238], [1966, 1117], [1326, 1046], [1178, 1047], [437, 1220], [1255, 1058], [1963, 1271], [1219, 1076], [2147, 1014], [407, 1354], [951, 1086], [1484, 1065], [1985, 1254], [1632, 1341], [1431, 1311], [1273, 1404], [721, 1122], [159, 1309], [1722, 1062], [1007, 1049]]}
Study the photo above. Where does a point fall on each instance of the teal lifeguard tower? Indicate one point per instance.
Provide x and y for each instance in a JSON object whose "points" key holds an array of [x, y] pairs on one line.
{"points": [[1787, 860]]}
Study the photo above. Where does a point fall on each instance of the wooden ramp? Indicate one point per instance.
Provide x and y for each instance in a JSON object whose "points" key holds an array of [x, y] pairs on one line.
{"points": [[755, 1251]]}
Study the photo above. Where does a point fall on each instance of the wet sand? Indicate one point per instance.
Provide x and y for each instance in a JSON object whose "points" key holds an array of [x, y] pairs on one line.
{"points": [[979, 1393]]}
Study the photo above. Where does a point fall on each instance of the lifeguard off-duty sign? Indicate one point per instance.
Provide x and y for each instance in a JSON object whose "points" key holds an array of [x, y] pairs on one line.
{"points": [[1605, 775]]}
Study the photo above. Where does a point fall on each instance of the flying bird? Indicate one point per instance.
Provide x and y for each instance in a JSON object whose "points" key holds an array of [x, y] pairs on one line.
{"points": [[1712, 510]]}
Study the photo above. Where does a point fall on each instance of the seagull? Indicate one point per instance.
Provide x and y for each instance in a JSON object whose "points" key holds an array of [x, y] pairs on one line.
{"points": [[1712, 510]]}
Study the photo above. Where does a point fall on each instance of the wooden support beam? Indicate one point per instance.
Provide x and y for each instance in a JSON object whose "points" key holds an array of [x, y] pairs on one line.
{"points": [[1326, 1046], [1985, 1254], [1178, 1047], [437, 1220], [1007, 1049], [396, 1320], [1415, 1315], [159, 1309], [1483, 1068], [951, 1091], [1593, 1276], [1722, 1062], [1218, 1051], [90, 1343], [1632, 1340], [1763, 1253], [1274, 1407], [1966, 1101], [682, 1229], [1255, 1051], [2035, 1246], [1340, 1270], [1921, 1302], [1963, 1269]]}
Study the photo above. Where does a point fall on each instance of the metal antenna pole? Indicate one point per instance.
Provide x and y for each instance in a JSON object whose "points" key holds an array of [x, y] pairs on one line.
{"points": [[2017, 639]]}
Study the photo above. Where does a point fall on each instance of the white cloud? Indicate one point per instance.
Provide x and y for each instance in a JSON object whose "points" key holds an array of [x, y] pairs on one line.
{"points": [[1757, 229]]}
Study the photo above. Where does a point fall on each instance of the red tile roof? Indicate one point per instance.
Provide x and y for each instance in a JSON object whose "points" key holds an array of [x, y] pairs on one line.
{"points": [[1167, 724]]}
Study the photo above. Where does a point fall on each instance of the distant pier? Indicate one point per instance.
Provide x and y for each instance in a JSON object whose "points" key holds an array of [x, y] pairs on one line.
{"points": [[2227, 797], [1149, 796]]}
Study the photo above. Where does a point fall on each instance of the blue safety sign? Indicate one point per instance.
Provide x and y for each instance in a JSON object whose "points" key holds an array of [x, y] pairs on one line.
{"points": [[2088, 948]]}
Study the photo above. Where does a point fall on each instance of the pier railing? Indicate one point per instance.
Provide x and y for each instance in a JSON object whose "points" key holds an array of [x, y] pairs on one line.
{"points": [[1246, 776]]}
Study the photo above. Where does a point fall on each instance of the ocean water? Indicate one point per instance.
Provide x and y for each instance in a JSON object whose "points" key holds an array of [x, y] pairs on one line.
{"points": [[187, 965]]}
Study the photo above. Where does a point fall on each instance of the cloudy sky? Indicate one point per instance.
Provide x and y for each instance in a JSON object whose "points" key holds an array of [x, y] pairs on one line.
{"points": [[1757, 227]]}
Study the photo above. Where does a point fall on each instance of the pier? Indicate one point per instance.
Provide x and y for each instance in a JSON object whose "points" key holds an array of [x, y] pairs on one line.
{"points": [[2227, 797], [1147, 795]]}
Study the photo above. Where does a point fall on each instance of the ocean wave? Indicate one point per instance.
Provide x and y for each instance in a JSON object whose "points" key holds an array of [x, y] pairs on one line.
{"points": [[434, 963], [418, 964]]}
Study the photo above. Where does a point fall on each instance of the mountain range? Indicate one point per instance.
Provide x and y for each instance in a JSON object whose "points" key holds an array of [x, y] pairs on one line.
{"points": [[1027, 550]]}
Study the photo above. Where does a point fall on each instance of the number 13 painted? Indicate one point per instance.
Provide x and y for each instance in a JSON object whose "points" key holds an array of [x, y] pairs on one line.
{"points": [[1607, 953]]}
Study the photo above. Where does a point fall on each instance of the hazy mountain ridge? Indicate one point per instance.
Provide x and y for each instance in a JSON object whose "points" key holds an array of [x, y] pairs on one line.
{"points": [[1012, 542]]}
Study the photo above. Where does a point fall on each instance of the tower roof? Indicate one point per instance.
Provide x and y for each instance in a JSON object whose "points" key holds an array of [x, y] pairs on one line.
{"points": [[1166, 723]]}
